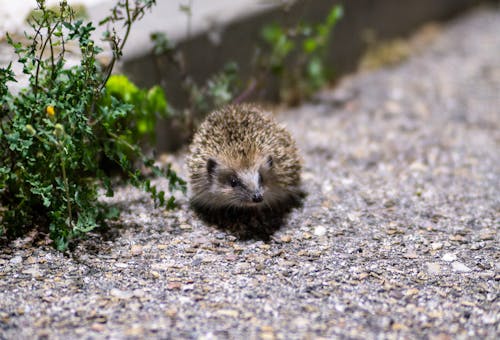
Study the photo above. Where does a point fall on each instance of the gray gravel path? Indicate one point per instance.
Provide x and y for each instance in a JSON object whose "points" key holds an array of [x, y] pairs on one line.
{"points": [[398, 237]]}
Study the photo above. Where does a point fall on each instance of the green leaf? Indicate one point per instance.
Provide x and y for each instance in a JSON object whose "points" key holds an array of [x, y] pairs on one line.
{"points": [[44, 191], [310, 45], [119, 85], [336, 13], [156, 100]]}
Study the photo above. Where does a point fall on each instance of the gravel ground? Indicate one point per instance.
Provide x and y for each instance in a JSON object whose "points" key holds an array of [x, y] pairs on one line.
{"points": [[398, 237]]}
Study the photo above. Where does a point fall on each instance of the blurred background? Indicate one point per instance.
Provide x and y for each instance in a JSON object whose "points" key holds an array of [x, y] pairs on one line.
{"points": [[208, 53]]}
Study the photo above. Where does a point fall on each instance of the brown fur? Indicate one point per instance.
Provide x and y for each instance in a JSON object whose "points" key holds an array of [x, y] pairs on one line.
{"points": [[240, 144]]}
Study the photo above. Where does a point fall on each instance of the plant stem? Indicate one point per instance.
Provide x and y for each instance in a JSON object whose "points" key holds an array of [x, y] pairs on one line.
{"points": [[66, 187]]}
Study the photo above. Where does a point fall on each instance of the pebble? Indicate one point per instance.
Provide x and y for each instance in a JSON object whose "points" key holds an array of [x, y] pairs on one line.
{"points": [[306, 236], [98, 327], [411, 254], [411, 291], [433, 268], [185, 226], [436, 245], [319, 230], [228, 312], [174, 285], [267, 335], [449, 257], [121, 294], [135, 250], [16, 260], [460, 267], [286, 239], [487, 234], [135, 331], [300, 322], [161, 266]]}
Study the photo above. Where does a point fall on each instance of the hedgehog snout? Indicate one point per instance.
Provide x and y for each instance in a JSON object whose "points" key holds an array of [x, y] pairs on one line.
{"points": [[257, 197]]}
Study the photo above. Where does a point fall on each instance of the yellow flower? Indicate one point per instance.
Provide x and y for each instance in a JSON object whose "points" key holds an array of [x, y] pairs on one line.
{"points": [[50, 111]]}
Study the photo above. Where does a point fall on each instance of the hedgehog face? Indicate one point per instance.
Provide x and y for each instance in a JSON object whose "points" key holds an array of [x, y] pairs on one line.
{"points": [[242, 187]]}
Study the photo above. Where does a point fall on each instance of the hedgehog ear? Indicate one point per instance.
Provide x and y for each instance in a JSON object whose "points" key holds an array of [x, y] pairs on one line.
{"points": [[211, 165]]}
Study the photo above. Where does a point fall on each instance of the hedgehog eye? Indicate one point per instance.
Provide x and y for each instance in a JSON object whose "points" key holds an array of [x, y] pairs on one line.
{"points": [[234, 182]]}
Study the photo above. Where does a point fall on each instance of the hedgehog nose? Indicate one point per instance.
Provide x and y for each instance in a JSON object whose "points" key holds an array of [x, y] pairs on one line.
{"points": [[257, 197]]}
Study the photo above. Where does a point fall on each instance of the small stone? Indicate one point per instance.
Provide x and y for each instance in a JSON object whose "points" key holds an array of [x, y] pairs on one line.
{"points": [[460, 267], [398, 327], [196, 262], [286, 238], [33, 271], [394, 231], [16, 260], [174, 286], [185, 226], [410, 254], [440, 336], [155, 274], [340, 308], [476, 246], [435, 314], [449, 257], [319, 230], [433, 268], [121, 294], [228, 312], [121, 265], [161, 266], [242, 267], [458, 238], [135, 330], [30, 260], [98, 327], [411, 291], [267, 329], [468, 303], [306, 236], [363, 276], [267, 336], [138, 292], [301, 322], [436, 245], [231, 257], [171, 313], [393, 107], [491, 318], [136, 249], [487, 234]]}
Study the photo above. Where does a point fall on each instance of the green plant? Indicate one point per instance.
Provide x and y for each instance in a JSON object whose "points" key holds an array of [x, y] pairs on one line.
{"points": [[147, 106], [217, 90], [54, 132], [296, 55]]}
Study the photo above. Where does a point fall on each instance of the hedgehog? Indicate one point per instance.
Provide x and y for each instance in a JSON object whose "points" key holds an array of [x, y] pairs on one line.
{"points": [[244, 170]]}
